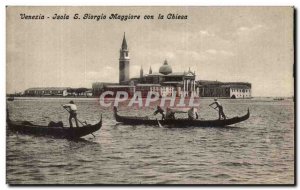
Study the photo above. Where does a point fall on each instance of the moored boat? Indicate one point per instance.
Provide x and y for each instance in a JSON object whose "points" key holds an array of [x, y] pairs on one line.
{"points": [[53, 129], [278, 99], [179, 122], [10, 98]]}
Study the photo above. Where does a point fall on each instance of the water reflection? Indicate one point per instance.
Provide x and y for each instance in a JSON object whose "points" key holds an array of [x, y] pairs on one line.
{"points": [[259, 150]]}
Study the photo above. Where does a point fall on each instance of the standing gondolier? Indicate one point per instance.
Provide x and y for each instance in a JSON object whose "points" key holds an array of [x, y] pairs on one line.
{"points": [[220, 108], [170, 114], [161, 111], [192, 114], [72, 110]]}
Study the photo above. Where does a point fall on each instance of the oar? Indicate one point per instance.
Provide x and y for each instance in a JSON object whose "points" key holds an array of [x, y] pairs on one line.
{"points": [[217, 110], [78, 120], [159, 124], [213, 108], [70, 112]]}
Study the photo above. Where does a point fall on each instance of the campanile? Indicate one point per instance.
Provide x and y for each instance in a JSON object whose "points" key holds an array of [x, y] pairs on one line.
{"points": [[124, 62]]}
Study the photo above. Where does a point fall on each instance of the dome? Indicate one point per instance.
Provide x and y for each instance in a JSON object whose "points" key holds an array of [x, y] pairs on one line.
{"points": [[165, 68]]}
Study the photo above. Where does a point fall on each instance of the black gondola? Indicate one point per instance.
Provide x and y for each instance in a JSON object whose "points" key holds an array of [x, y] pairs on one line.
{"points": [[10, 98], [53, 129], [178, 122]]}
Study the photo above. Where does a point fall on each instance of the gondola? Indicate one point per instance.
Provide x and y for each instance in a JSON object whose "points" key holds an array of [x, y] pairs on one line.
{"points": [[178, 122], [10, 98], [56, 130]]}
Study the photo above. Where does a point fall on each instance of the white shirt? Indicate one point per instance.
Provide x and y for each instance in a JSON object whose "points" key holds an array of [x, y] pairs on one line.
{"points": [[192, 112], [218, 103], [73, 107], [169, 112]]}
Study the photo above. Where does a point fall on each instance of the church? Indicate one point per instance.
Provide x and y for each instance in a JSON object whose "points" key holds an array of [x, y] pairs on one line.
{"points": [[165, 81], [168, 83]]}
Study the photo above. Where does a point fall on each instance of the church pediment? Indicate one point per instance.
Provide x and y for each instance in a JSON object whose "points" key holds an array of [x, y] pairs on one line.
{"points": [[189, 74]]}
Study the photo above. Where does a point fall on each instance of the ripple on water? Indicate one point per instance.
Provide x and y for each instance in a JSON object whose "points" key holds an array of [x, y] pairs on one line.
{"points": [[235, 164], [260, 150]]}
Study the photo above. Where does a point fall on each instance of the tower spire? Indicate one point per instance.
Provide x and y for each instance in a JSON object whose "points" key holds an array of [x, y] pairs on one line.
{"points": [[141, 72], [165, 62], [124, 62], [124, 43], [150, 70]]}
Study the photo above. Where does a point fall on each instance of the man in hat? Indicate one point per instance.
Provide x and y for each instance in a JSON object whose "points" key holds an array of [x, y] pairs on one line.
{"points": [[170, 114], [72, 110], [220, 108], [161, 111]]}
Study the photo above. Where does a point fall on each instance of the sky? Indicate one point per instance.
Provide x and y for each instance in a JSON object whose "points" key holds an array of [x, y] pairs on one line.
{"points": [[230, 44]]}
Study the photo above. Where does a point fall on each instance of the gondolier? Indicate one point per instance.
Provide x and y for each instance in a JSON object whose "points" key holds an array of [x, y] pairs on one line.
{"points": [[192, 114], [53, 129], [161, 111], [179, 122], [220, 108], [170, 114], [72, 110]]}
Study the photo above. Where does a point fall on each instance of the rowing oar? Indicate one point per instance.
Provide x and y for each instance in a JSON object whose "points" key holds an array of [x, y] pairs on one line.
{"points": [[213, 108], [159, 124], [76, 118], [216, 110]]}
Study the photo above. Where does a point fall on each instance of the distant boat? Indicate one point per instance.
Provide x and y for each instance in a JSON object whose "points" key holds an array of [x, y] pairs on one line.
{"points": [[278, 99], [10, 98]]}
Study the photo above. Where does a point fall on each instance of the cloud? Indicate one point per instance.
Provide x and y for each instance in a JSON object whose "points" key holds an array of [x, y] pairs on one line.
{"points": [[108, 68], [244, 30], [194, 55], [170, 55], [219, 52], [226, 53], [211, 51], [202, 34], [135, 70], [105, 74], [206, 33]]}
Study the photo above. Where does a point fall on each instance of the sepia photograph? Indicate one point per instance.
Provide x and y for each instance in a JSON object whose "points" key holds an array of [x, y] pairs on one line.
{"points": [[150, 95]]}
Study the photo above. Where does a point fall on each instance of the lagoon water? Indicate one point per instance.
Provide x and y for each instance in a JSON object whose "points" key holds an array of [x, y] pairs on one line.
{"points": [[257, 151]]}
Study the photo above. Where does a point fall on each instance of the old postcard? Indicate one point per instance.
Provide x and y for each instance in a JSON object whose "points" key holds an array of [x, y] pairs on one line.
{"points": [[150, 95]]}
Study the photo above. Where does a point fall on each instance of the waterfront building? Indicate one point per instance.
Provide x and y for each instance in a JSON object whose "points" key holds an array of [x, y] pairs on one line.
{"points": [[88, 93], [117, 88], [58, 91], [100, 87], [80, 92], [167, 91], [224, 89], [180, 83], [167, 82], [50, 91], [145, 88], [239, 91]]}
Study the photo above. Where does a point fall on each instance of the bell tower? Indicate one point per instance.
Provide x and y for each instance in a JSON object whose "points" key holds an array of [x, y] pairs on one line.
{"points": [[124, 62], [141, 72]]}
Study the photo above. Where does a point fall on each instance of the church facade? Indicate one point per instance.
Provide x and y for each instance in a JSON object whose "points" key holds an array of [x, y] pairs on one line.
{"points": [[171, 83], [165, 82]]}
